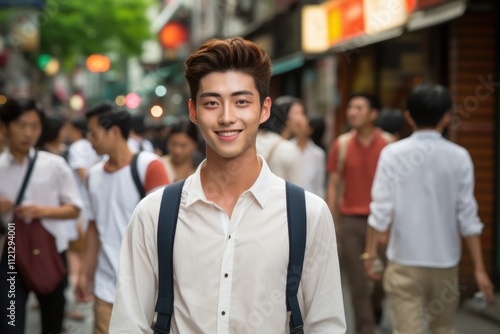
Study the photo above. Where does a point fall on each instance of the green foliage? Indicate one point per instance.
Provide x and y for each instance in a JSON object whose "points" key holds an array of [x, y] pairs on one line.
{"points": [[73, 28]]}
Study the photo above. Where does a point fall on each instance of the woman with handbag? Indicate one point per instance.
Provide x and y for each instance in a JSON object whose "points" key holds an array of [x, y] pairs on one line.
{"points": [[37, 196]]}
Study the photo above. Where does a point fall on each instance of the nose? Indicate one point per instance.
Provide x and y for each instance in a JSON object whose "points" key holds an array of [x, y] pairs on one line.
{"points": [[227, 115]]}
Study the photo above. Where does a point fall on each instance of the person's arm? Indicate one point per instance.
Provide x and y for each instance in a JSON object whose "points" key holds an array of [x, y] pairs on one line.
{"points": [[137, 284], [156, 176], [321, 289], [471, 227], [331, 192], [82, 174], [370, 254], [482, 279], [84, 287], [28, 211]]}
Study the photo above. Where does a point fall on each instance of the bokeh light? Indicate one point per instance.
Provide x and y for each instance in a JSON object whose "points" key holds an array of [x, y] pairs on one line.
{"points": [[161, 91], [156, 111], [132, 100], [120, 100]]}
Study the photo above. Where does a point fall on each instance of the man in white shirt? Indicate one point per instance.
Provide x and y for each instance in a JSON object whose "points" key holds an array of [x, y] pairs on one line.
{"points": [[113, 196], [424, 191], [231, 246], [51, 195]]}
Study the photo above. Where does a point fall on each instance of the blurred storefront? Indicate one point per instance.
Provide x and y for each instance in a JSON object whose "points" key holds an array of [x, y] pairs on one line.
{"points": [[387, 47]]}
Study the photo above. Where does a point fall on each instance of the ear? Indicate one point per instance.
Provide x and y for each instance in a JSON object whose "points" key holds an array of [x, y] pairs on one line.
{"points": [[265, 112], [374, 115], [192, 112], [410, 120]]}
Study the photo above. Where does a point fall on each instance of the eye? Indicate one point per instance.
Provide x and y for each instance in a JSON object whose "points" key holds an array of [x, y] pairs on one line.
{"points": [[210, 104], [242, 102]]}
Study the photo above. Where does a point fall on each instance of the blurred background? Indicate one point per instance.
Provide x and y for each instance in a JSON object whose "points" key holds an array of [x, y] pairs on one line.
{"points": [[72, 53]]}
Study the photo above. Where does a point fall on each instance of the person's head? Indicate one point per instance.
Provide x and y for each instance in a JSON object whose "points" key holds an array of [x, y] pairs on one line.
{"points": [[229, 83], [108, 126], [392, 121], [182, 141], [362, 110], [22, 122], [428, 105], [139, 125], [288, 115], [77, 129], [52, 131]]}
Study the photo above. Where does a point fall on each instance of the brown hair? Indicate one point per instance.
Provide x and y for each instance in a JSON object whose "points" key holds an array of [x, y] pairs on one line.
{"points": [[232, 54]]}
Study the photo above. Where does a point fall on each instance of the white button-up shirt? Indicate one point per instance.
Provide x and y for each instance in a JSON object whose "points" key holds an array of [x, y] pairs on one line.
{"points": [[51, 184], [230, 273], [424, 187]]}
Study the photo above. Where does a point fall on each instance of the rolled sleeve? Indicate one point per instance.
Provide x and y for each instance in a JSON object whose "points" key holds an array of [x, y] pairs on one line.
{"points": [[68, 190], [322, 304], [382, 205], [467, 216]]}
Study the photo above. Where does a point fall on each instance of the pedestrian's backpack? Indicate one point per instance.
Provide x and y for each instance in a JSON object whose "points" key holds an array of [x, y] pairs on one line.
{"points": [[135, 176], [167, 221]]}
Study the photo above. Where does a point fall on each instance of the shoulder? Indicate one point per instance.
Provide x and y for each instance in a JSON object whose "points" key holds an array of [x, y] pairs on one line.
{"points": [[148, 157], [97, 168], [386, 137], [51, 159]]}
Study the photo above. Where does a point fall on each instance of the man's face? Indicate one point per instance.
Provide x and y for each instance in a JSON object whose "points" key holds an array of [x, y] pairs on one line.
{"points": [[180, 147], [98, 136], [297, 120], [359, 113], [23, 133], [228, 112]]}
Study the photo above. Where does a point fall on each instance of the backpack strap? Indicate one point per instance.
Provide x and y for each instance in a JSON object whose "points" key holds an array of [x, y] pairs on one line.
{"points": [[297, 233], [167, 222], [388, 138], [135, 176], [343, 143]]}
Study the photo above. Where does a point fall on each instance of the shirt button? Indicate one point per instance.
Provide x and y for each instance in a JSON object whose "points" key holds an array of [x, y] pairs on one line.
{"points": [[226, 275], [223, 313]]}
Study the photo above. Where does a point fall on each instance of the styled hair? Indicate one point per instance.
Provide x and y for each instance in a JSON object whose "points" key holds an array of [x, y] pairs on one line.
{"points": [[16, 107], [279, 113], [427, 104], [111, 115], [186, 127], [373, 102], [232, 54], [51, 129]]}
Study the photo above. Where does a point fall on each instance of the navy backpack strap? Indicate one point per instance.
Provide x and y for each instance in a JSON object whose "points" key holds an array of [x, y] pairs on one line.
{"points": [[135, 176], [297, 232], [167, 222]]}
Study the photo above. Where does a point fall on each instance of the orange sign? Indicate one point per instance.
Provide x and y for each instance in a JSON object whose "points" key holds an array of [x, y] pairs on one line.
{"points": [[98, 63], [345, 20]]}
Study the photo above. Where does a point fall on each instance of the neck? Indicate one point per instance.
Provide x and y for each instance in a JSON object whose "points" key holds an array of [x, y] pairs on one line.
{"points": [[18, 154], [230, 176], [286, 134], [120, 156], [53, 147], [366, 131], [419, 128], [302, 142]]}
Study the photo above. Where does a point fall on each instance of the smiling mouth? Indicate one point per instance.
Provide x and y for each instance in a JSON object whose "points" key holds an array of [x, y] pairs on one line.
{"points": [[227, 133]]}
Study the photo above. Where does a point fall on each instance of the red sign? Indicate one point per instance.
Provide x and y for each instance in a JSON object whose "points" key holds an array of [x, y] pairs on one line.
{"points": [[345, 20]]}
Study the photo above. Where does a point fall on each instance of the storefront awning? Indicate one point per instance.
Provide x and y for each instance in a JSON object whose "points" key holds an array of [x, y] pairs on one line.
{"points": [[289, 63], [440, 14]]}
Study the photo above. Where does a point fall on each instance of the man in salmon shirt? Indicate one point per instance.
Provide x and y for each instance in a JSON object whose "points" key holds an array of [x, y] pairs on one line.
{"points": [[351, 166]]}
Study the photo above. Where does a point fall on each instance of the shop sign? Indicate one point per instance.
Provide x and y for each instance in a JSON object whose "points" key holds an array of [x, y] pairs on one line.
{"points": [[381, 15], [314, 29]]}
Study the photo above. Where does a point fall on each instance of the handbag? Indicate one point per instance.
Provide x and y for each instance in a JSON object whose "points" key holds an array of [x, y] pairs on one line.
{"points": [[37, 260]]}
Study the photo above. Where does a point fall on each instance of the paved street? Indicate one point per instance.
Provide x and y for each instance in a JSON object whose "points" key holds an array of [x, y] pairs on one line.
{"points": [[467, 322]]}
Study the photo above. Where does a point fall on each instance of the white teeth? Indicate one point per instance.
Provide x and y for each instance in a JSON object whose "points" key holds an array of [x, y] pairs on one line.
{"points": [[227, 133]]}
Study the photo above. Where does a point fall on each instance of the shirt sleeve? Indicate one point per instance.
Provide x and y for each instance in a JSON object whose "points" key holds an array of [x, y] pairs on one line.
{"points": [[68, 190], [78, 155], [321, 289], [156, 176], [468, 219], [382, 205], [136, 289], [331, 166]]}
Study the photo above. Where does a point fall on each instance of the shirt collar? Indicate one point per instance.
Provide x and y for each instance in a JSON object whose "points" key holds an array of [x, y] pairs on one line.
{"points": [[427, 134], [260, 189], [13, 160]]}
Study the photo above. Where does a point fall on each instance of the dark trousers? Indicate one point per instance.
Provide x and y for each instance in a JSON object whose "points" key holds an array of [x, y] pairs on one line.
{"points": [[13, 297], [366, 294]]}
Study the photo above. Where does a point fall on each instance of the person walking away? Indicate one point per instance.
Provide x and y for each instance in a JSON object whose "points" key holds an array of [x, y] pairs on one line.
{"points": [[428, 206]]}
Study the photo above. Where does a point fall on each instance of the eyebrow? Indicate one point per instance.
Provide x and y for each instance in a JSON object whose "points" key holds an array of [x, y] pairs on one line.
{"points": [[240, 92]]}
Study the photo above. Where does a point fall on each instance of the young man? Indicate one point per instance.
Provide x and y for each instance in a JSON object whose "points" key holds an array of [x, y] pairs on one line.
{"points": [[113, 196], [351, 166], [424, 190], [51, 195], [231, 246]]}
